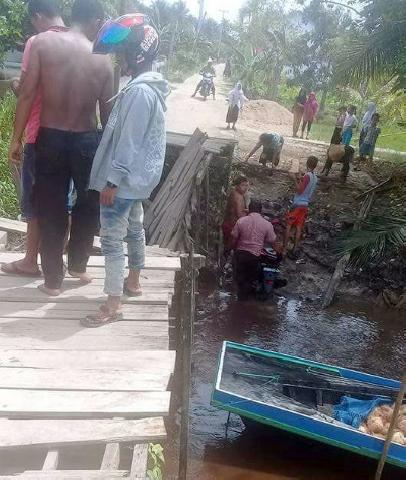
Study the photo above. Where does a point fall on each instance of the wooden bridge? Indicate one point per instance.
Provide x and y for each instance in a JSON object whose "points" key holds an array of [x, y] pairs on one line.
{"points": [[63, 386]]}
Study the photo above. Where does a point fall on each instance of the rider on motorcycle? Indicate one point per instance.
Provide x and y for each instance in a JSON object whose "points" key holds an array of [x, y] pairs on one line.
{"points": [[207, 69], [251, 235]]}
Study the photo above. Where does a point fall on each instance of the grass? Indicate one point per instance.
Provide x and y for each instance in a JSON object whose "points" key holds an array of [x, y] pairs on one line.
{"points": [[396, 139], [8, 196]]}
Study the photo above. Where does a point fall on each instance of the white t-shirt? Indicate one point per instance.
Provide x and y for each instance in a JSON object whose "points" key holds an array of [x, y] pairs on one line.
{"points": [[350, 121]]}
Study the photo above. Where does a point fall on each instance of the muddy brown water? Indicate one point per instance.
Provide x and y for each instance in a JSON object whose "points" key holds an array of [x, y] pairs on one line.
{"points": [[351, 335]]}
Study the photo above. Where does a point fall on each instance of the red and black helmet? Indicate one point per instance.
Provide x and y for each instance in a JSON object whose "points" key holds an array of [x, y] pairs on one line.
{"points": [[132, 34]]}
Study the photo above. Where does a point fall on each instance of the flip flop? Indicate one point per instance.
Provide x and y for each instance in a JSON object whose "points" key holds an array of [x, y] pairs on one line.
{"points": [[131, 293], [13, 268], [103, 317]]}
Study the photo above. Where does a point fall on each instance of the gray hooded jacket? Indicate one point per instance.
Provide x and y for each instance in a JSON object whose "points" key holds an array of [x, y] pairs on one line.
{"points": [[131, 153]]}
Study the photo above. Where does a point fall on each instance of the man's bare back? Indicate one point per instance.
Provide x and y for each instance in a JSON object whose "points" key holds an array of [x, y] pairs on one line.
{"points": [[71, 80]]}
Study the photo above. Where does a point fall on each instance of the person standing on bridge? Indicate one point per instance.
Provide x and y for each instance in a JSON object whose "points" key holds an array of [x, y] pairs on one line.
{"points": [[45, 16], [72, 81], [129, 161]]}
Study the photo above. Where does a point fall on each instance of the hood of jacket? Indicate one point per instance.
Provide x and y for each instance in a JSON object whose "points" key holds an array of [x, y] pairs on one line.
{"points": [[156, 81]]}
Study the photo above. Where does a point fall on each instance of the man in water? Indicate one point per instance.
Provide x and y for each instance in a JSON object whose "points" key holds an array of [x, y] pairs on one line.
{"points": [[72, 80], [45, 16], [271, 144], [235, 208], [251, 234], [207, 69]]}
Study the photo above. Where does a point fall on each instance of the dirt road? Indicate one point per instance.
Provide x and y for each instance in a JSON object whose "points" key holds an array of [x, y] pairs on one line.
{"points": [[259, 116]]}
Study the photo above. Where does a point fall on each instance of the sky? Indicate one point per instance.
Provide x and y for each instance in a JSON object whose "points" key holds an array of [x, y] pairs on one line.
{"points": [[213, 8]]}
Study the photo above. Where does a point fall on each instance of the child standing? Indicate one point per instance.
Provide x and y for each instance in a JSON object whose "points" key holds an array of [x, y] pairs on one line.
{"points": [[371, 135], [338, 130], [296, 217], [350, 123]]}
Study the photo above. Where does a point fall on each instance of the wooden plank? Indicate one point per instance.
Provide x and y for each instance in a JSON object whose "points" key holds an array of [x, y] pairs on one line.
{"points": [[53, 403], [151, 263], [86, 343], [68, 475], [51, 460], [148, 278], [61, 433], [139, 462], [111, 457], [73, 379], [14, 226], [139, 361], [46, 334], [76, 311], [32, 294]]}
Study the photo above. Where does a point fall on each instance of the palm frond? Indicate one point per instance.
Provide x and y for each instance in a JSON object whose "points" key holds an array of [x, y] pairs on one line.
{"points": [[377, 238]]}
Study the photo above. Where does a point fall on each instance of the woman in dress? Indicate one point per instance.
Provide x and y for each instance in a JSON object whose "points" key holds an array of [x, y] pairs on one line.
{"points": [[366, 121], [236, 100], [311, 107]]}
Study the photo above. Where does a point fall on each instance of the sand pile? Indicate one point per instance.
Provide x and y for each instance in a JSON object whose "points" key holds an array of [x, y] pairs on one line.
{"points": [[265, 112]]}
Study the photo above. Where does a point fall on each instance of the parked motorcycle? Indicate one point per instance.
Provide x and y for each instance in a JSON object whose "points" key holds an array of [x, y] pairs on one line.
{"points": [[207, 85]]}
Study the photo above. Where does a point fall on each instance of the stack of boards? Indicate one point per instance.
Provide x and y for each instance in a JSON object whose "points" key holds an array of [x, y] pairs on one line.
{"points": [[70, 396]]}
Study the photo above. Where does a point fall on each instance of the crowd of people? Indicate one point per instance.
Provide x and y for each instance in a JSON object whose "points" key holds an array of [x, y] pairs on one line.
{"points": [[65, 75]]}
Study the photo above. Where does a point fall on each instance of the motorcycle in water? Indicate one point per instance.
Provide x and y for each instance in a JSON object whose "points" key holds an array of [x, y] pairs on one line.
{"points": [[207, 85], [268, 278]]}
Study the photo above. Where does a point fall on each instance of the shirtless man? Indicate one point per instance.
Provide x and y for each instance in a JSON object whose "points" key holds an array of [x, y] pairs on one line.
{"points": [[236, 208], [45, 16], [72, 80]]}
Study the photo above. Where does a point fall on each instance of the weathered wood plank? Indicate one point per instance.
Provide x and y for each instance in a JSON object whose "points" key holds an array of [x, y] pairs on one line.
{"points": [[111, 457], [51, 460], [68, 475], [33, 334], [32, 294], [87, 343], [139, 462], [165, 278], [73, 379], [151, 263], [76, 311], [52, 403], [139, 361], [46, 329], [60, 433]]}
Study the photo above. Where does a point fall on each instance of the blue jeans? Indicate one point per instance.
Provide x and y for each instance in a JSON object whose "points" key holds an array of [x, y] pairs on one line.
{"points": [[123, 221]]}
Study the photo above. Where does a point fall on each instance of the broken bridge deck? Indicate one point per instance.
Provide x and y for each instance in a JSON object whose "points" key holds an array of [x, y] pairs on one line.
{"points": [[62, 385]]}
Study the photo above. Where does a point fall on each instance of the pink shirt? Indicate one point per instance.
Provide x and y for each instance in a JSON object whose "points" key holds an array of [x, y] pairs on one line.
{"points": [[252, 232], [32, 127]]}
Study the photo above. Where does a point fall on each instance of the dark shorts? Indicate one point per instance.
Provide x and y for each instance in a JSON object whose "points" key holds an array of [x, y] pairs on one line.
{"points": [[27, 182], [27, 206]]}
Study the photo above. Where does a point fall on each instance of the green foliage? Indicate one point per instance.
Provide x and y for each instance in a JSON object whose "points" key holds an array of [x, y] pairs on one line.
{"points": [[8, 196], [156, 461], [12, 14], [377, 238]]}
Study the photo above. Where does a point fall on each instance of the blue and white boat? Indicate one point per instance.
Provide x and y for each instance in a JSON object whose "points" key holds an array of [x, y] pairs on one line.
{"points": [[298, 395]]}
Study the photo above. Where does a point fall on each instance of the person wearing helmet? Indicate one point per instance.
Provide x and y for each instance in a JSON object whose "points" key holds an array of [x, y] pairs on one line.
{"points": [[129, 161], [209, 68]]}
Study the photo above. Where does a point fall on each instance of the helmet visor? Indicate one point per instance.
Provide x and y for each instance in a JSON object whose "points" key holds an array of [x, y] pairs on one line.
{"points": [[110, 36]]}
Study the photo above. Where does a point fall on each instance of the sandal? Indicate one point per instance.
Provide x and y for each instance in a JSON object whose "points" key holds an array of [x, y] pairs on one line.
{"points": [[103, 317], [14, 268], [131, 293]]}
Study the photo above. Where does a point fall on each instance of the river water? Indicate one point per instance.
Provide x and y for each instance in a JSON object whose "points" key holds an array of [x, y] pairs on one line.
{"points": [[356, 336]]}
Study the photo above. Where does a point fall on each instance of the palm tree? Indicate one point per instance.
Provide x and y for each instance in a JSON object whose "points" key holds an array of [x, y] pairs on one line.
{"points": [[377, 238], [378, 44]]}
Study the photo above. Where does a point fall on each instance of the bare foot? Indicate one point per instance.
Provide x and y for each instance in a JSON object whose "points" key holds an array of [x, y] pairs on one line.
{"points": [[132, 289], [21, 267], [84, 277], [52, 292]]}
